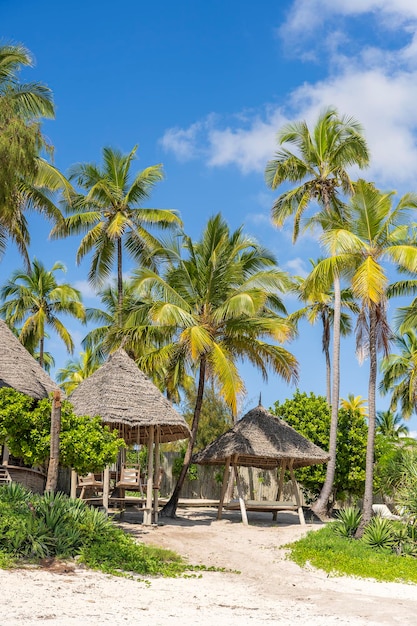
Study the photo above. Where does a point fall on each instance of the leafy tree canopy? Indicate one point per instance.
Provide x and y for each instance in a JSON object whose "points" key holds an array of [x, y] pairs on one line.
{"points": [[310, 416], [25, 426]]}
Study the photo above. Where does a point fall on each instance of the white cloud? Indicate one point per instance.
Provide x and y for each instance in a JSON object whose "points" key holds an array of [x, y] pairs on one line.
{"points": [[183, 142], [86, 289], [297, 267], [307, 15], [377, 86]]}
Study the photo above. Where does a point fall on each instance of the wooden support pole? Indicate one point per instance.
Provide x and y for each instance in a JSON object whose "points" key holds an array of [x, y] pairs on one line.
{"points": [[147, 511], [240, 493], [156, 478], [226, 479], [73, 489], [280, 487], [297, 495], [52, 477], [106, 488]]}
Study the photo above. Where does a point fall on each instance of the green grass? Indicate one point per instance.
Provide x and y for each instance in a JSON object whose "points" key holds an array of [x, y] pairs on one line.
{"points": [[338, 556]]}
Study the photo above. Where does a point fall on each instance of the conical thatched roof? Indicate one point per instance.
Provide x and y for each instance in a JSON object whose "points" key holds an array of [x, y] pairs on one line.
{"points": [[126, 399], [261, 440], [18, 368]]}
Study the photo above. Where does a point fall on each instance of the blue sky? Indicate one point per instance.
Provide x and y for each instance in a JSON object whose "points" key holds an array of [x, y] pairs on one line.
{"points": [[203, 87]]}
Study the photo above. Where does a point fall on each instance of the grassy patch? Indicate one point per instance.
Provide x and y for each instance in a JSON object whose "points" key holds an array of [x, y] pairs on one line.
{"points": [[34, 527], [340, 556]]}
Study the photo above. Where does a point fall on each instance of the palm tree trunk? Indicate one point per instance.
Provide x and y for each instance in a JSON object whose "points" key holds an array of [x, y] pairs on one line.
{"points": [[320, 507], [170, 507], [326, 343], [41, 351], [119, 279], [369, 472]]}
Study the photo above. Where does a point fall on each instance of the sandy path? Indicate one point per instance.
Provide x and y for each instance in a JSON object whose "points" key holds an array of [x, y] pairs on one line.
{"points": [[269, 589]]}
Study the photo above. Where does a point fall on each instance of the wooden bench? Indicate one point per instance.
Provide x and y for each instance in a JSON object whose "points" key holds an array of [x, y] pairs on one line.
{"points": [[265, 506]]}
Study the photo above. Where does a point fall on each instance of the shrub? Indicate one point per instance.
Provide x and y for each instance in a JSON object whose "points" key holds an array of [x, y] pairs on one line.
{"points": [[53, 525], [379, 533], [348, 521]]}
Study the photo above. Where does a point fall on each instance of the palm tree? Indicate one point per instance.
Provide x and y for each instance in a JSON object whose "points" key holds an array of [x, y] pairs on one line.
{"points": [[354, 404], [215, 307], [399, 375], [376, 232], [319, 307], [390, 425], [318, 168], [70, 376], [110, 217], [27, 181], [29, 100], [36, 299]]}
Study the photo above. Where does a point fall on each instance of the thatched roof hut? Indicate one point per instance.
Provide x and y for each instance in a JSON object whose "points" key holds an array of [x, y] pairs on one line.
{"points": [[128, 400], [261, 440], [19, 370]]}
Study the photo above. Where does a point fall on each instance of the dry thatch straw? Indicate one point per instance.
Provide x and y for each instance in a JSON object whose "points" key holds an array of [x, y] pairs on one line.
{"points": [[19, 370], [124, 398], [261, 440]]}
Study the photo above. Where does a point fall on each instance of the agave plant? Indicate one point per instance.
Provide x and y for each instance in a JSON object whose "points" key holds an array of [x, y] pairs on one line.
{"points": [[379, 533], [347, 522]]}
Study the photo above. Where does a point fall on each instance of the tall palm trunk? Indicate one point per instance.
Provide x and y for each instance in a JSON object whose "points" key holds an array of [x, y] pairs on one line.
{"points": [[41, 351], [170, 507], [326, 343], [369, 472], [119, 279], [320, 507]]}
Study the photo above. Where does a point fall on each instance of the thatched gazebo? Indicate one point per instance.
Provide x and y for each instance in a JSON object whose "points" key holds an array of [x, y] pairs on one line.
{"points": [[127, 400], [20, 371], [264, 441]]}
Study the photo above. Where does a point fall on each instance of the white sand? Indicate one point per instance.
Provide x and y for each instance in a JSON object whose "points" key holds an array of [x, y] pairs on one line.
{"points": [[269, 589]]}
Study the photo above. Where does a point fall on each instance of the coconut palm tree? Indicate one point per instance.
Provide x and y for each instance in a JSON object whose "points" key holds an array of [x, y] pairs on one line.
{"points": [[399, 375], [376, 232], [318, 169], [111, 217], [36, 299], [76, 370], [319, 306], [27, 100], [27, 180], [390, 425], [216, 306], [354, 404]]}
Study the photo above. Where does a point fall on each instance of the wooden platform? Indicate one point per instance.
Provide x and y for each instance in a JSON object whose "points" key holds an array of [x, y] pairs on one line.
{"points": [[267, 506]]}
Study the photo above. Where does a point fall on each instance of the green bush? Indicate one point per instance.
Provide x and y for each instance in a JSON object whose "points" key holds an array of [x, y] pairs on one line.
{"points": [[52, 525]]}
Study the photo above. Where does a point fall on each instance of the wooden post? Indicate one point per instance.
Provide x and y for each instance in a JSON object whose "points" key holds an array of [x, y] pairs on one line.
{"points": [[147, 511], [297, 495], [226, 478], [52, 478], [73, 490], [280, 487], [106, 488], [156, 478], [240, 493], [6, 455]]}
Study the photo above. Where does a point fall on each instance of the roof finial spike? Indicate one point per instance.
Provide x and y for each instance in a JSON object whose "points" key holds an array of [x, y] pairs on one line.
{"points": [[260, 399]]}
